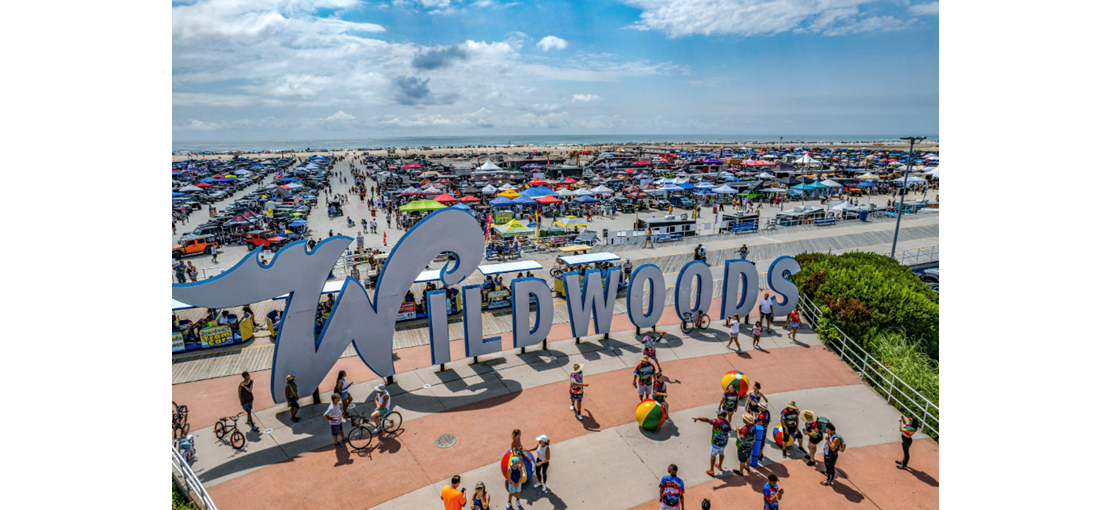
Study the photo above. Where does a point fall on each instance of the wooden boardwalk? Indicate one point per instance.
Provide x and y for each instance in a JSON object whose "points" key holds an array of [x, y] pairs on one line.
{"points": [[257, 354]]}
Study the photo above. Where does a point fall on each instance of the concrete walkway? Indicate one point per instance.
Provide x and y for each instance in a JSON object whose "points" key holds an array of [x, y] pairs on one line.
{"points": [[604, 461]]}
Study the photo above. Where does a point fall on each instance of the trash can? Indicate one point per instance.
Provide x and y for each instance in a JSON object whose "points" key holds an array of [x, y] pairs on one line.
{"points": [[863, 215], [373, 213]]}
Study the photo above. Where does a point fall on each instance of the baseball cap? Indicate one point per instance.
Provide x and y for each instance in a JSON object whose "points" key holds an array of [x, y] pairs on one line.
{"points": [[542, 439], [380, 387], [721, 412]]}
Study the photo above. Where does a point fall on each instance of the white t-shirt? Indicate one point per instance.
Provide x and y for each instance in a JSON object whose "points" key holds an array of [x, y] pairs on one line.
{"points": [[734, 328], [765, 305], [335, 414]]}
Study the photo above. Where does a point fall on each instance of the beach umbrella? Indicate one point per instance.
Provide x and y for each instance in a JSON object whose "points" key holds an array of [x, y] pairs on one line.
{"points": [[586, 200], [446, 199], [422, 205]]}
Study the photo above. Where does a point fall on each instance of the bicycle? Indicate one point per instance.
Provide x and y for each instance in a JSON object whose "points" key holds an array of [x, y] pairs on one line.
{"points": [[186, 448], [180, 420], [691, 319], [238, 440], [362, 428]]}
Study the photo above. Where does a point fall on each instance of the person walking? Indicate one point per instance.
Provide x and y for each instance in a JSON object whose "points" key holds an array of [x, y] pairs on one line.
{"points": [[733, 324], [291, 397], [729, 401], [453, 498], [672, 491], [642, 378], [763, 418], [577, 390], [516, 469], [745, 440], [772, 493], [191, 270], [659, 393], [718, 441], [743, 251], [757, 331], [481, 497], [788, 420], [812, 431], [334, 415], [795, 320], [212, 250], [833, 445], [543, 459], [341, 386], [766, 311], [179, 271], [246, 398], [907, 426]]}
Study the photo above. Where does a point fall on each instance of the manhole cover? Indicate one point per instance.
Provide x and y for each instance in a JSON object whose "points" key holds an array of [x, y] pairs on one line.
{"points": [[446, 441]]}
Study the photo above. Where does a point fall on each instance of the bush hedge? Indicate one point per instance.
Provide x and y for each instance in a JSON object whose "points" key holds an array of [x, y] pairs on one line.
{"points": [[867, 295]]}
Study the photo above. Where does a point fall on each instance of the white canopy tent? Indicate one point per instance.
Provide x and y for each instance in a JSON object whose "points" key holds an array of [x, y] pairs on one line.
{"points": [[601, 190], [831, 183], [489, 189], [806, 160], [488, 165], [934, 173], [724, 189]]}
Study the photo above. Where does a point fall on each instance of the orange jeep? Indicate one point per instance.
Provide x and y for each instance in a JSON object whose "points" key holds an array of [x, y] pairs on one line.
{"points": [[193, 245], [265, 239]]}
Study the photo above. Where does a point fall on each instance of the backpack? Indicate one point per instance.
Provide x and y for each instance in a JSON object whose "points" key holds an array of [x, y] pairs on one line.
{"points": [[822, 422], [843, 445]]}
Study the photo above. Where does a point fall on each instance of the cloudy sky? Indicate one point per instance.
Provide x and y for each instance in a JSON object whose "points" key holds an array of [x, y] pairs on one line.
{"points": [[318, 69]]}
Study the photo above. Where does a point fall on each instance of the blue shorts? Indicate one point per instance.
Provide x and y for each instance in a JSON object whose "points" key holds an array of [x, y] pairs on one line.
{"points": [[293, 404], [793, 324], [336, 429], [343, 395], [575, 397], [247, 407]]}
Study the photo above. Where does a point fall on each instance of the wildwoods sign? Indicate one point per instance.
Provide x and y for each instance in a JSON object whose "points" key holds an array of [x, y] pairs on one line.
{"points": [[369, 323]]}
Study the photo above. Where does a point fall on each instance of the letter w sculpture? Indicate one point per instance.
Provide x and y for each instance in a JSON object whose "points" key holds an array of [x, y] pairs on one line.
{"points": [[355, 318]]}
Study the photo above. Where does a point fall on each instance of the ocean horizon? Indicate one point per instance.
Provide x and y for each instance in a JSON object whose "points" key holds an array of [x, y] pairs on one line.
{"points": [[486, 140]]}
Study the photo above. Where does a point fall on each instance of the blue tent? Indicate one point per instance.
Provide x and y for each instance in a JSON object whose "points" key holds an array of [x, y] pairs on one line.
{"points": [[298, 223], [586, 199], [176, 194], [687, 186], [865, 185], [538, 191], [501, 201], [524, 200], [461, 206]]}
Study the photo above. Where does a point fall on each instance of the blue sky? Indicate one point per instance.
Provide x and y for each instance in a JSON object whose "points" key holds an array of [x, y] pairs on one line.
{"points": [[313, 69]]}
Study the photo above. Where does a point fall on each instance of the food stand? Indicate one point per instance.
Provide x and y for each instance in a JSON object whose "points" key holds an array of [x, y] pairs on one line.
{"points": [[571, 261]]}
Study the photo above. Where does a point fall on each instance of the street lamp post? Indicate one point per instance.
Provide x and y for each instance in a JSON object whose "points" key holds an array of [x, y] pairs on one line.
{"points": [[905, 182]]}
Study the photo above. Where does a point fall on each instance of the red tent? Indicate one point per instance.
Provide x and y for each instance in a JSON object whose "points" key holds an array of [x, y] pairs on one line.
{"points": [[203, 184], [569, 180], [631, 171], [548, 199], [640, 163], [445, 199], [537, 182], [411, 165], [468, 199]]}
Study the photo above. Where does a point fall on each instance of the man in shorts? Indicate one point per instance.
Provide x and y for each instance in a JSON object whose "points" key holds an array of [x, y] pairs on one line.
{"points": [[334, 415], [745, 440], [659, 393], [246, 398], [788, 419], [642, 377], [671, 491], [515, 468], [719, 440], [291, 397], [383, 401], [766, 311]]}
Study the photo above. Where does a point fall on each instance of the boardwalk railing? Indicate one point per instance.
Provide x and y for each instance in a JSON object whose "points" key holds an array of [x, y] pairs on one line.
{"points": [[918, 256], [897, 392], [189, 482]]}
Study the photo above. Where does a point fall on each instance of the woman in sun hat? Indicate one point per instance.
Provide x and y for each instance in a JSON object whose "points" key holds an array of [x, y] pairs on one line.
{"points": [[577, 390], [812, 430]]}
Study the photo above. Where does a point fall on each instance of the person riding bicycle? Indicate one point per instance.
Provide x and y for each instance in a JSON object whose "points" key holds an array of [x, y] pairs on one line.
{"points": [[383, 401]]}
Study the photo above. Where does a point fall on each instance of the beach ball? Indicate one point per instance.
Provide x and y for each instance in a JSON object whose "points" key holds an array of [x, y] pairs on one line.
{"points": [[736, 379], [650, 415], [780, 435], [529, 464]]}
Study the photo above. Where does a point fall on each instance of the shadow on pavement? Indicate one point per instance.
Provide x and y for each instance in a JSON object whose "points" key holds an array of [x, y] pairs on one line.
{"points": [[924, 477], [665, 431], [554, 500]]}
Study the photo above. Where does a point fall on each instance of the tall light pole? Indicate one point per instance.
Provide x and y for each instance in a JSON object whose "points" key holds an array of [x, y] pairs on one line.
{"points": [[905, 182]]}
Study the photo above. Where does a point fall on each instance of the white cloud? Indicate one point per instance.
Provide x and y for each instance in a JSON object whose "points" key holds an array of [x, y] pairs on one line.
{"points": [[196, 125], [925, 9], [679, 18], [339, 116], [479, 118], [584, 98], [551, 42]]}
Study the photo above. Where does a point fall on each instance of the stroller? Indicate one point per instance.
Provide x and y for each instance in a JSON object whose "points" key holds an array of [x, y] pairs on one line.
{"points": [[186, 448]]}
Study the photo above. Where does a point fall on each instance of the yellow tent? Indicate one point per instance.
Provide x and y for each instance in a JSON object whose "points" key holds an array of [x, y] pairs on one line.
{"points": [[508, 194], [572, 221], [512, 228]]}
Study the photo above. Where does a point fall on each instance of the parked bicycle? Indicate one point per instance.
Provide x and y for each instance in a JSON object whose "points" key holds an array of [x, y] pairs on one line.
{"points": [[186, 447], [180, 420], [696, 318], [363, 428], [230, 426]]}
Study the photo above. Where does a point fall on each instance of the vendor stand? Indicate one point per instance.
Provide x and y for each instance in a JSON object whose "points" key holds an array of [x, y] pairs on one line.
{"points": [[573, 261]]}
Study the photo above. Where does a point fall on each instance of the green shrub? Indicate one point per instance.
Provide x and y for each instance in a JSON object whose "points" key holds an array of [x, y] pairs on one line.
{"points": [[866, 294]]}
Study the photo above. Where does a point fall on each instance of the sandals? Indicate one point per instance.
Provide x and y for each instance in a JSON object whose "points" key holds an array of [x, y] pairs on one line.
{"points": [[710, 472]]}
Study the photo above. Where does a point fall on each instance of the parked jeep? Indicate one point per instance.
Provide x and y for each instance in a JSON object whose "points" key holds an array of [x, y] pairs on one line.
{"points": [[193, 245]]}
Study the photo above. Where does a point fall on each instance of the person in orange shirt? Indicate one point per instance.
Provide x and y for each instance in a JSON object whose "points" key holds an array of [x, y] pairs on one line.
{"points": [[452, 498]]}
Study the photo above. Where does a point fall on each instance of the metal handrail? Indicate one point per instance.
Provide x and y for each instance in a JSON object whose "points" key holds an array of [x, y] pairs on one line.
{"points": [[189, 482], [879, 376]]}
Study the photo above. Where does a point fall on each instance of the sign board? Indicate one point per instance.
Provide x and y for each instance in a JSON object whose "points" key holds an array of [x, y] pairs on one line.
{"points": [[178, 342], [216, 335], [408, 311], [503, 217]]}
